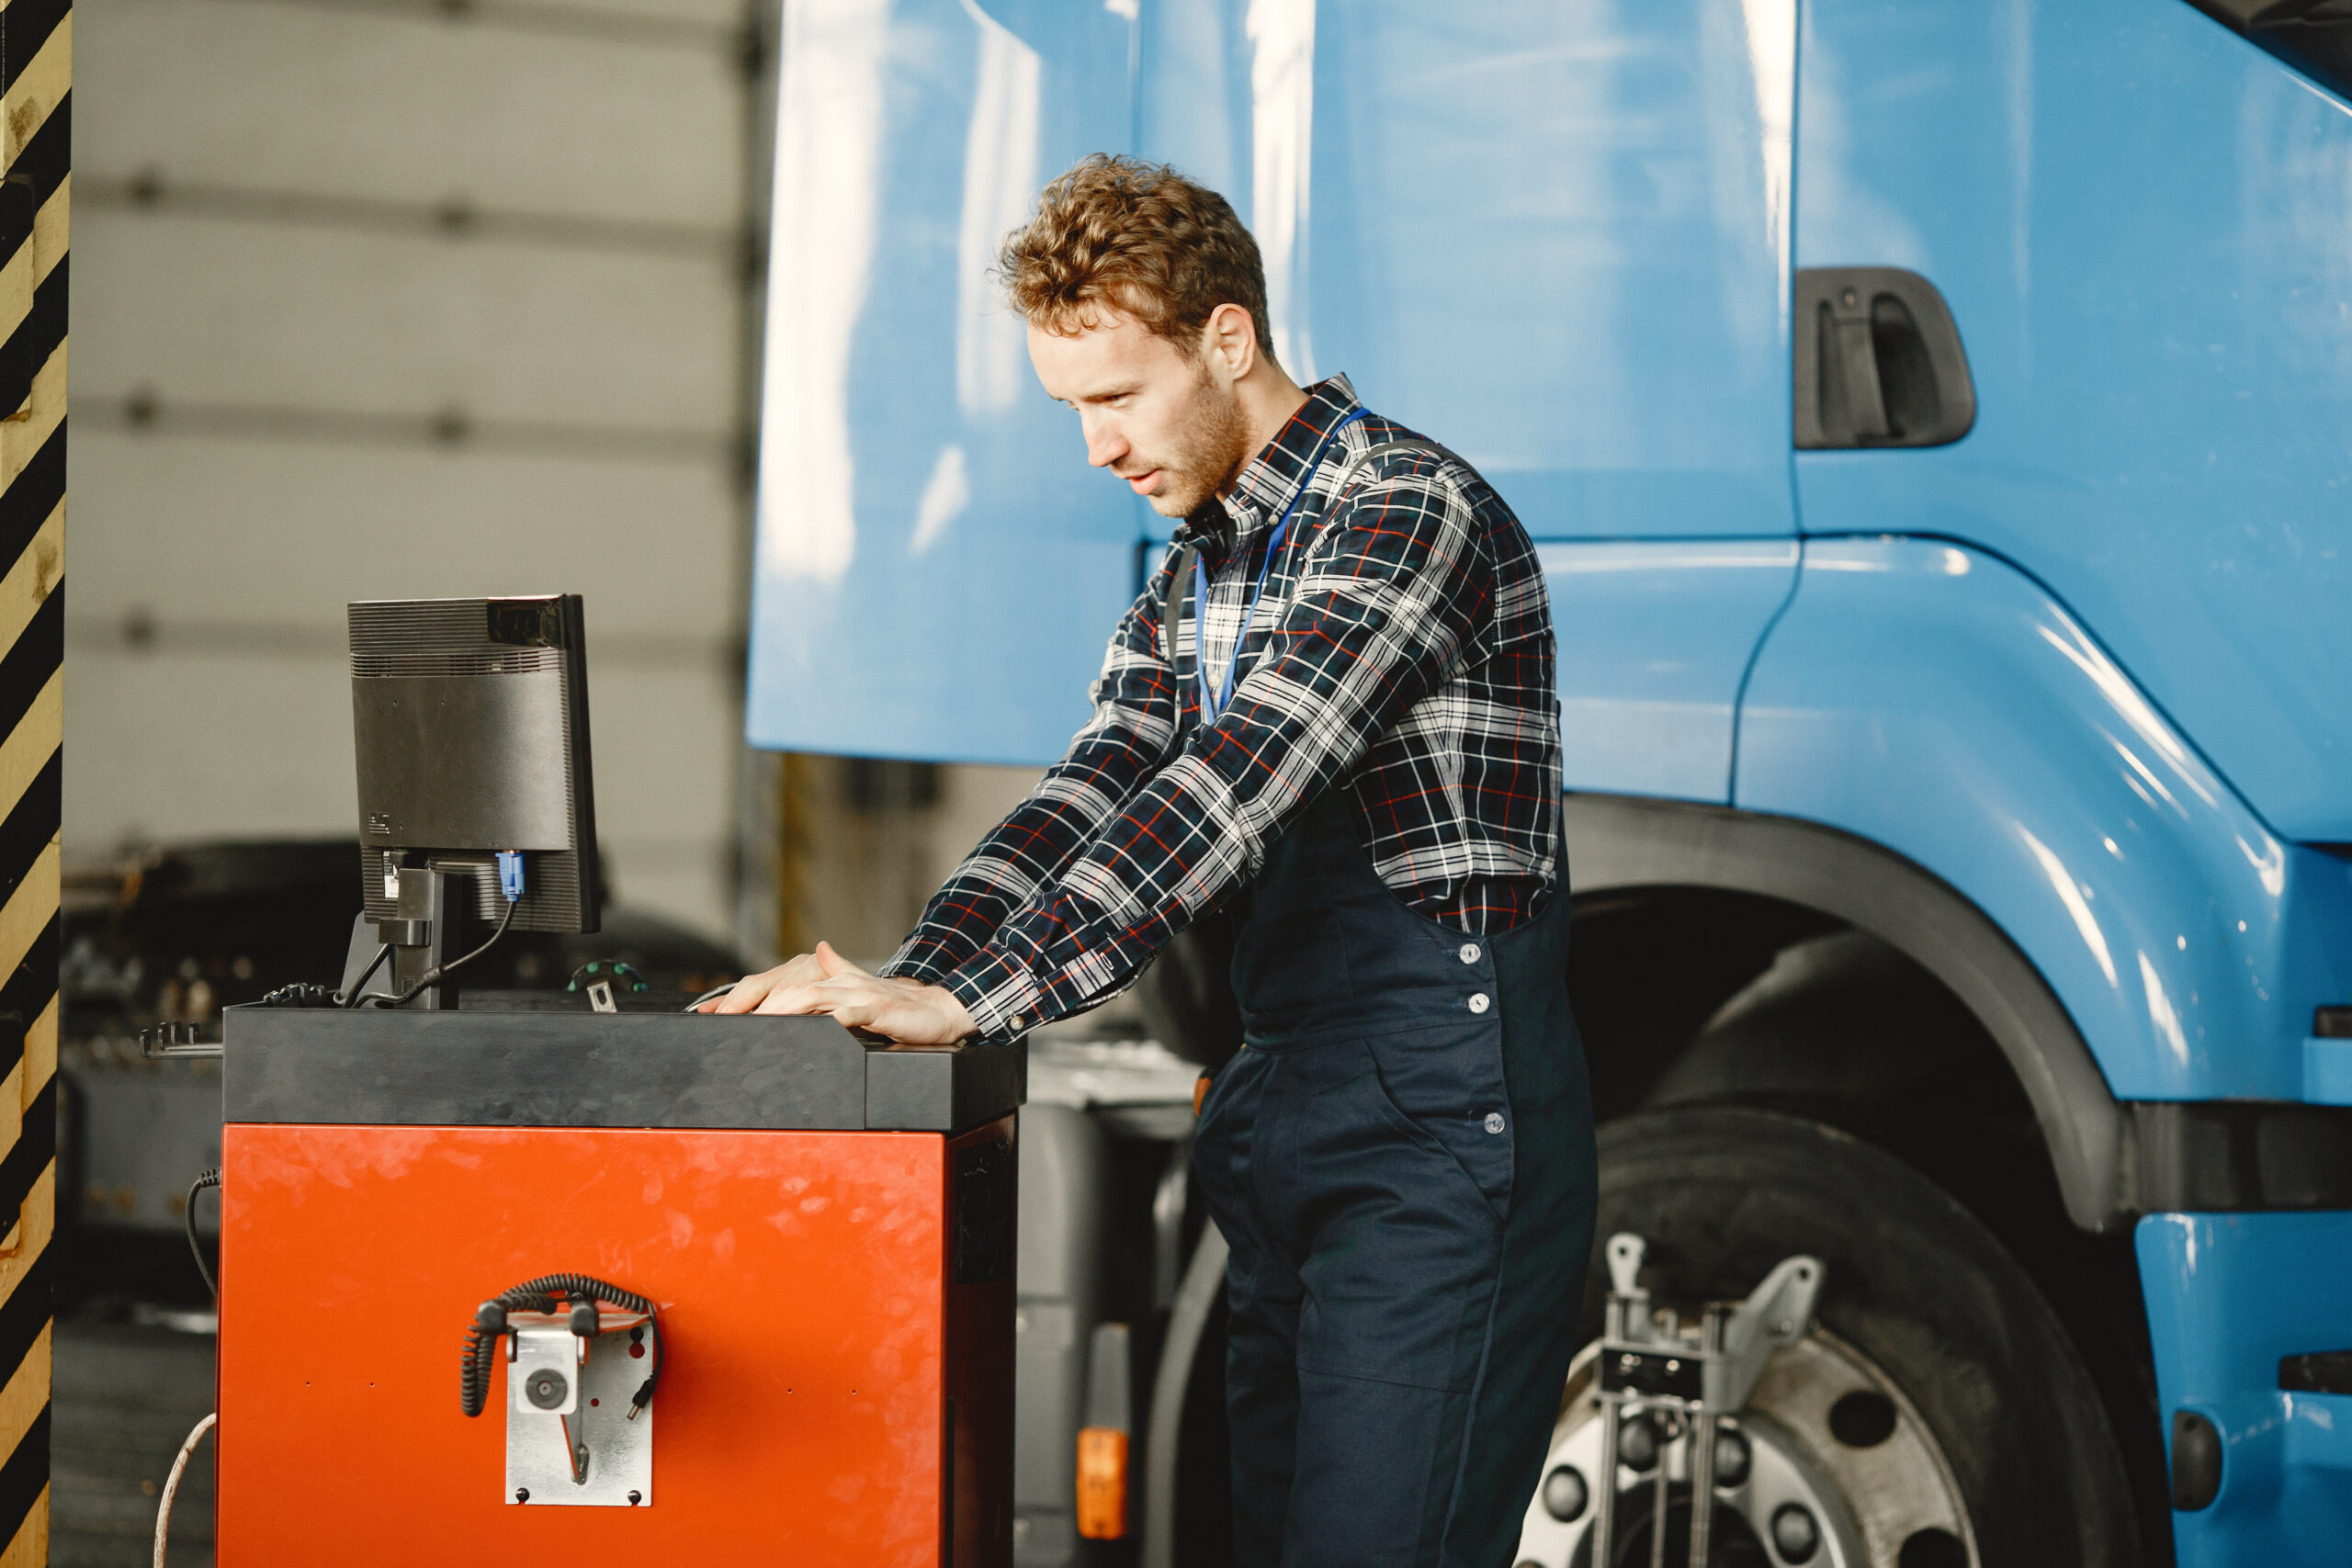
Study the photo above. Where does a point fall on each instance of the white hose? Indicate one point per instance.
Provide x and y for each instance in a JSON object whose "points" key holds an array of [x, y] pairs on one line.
{"points": [[163, 1511]]}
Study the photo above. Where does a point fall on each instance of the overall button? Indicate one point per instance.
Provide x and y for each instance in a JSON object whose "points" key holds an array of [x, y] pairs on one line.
{"points": [[1478, 1002], [1494, 1120], [1469, 953]]}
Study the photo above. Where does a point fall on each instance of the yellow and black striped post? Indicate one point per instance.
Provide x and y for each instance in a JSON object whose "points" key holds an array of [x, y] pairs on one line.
{"points": [[36, 77]]}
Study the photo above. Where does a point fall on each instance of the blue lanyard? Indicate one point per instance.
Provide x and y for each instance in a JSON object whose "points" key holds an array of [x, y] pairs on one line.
{"points": [[1212, 708]]}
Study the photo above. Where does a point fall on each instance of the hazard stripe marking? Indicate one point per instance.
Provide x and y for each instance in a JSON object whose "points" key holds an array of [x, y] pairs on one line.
{"points": [[40, 1041], [23, 1166], [25, 1277], [24, 1404], [30, 827], [30, 1078], [27, 1280], [45, 158], [45, 45], [23, 441], [26, 1475], [39, 566], [27, 667], [35, 207], [24, 1317], [32, 341], [31, 25], [27, 1393], [33, 495], [18, 218], [32, 988], [27, 751], [31, 910], [30, 1549]]}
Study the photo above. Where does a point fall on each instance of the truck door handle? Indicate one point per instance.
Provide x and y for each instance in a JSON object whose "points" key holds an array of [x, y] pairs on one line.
{"points": [[1879, 361], [1848, 322]]}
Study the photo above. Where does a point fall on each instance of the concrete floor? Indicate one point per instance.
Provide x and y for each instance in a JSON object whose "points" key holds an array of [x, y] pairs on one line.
{"points": [[123, 1401]]}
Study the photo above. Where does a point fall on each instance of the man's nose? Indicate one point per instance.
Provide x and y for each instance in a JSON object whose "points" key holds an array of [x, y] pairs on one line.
{"points": [[1104, 445]]}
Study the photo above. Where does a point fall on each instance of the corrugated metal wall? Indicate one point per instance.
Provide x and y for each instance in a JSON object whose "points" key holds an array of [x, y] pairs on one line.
{"points": [[400, 298]]}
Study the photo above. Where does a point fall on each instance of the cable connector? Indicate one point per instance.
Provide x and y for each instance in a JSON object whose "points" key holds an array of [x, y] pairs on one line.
{"points": [[510, 874]]}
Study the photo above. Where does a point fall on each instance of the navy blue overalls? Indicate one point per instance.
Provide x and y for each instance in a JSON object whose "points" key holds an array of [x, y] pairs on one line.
{"points": [[1401, 1157]]}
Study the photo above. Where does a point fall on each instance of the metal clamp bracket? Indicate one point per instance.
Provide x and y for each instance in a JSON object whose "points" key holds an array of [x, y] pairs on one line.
{"points": [[1686, 1380], [169, 1041]]}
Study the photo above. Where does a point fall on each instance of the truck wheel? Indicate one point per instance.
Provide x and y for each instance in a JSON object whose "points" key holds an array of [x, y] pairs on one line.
{"points": [[1940, 1410]]}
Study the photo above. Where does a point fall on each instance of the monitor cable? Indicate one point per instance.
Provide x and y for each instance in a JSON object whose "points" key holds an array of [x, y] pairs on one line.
{"points": [[441, 972], [351, 999]]}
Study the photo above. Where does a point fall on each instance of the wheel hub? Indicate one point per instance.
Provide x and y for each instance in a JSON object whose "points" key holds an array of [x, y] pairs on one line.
{"points": [[1827, 1465]]}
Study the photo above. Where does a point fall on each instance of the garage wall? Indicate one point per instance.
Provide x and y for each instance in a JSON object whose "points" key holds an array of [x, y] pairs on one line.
{"points": [[384, 299]]}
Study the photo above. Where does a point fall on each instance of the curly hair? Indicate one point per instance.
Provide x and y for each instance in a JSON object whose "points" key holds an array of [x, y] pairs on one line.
{"points": [[1118, 234]]}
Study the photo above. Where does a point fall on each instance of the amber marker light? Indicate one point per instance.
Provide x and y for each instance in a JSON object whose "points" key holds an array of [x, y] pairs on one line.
{"points": [[1102, 1484], [1102, 1442]]}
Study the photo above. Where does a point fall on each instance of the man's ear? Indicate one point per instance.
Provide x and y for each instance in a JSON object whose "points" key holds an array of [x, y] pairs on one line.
{"points": [[1230, 342]]}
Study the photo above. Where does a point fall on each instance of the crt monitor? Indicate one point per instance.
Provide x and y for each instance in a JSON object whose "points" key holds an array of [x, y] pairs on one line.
{"points": [[469, 717]]}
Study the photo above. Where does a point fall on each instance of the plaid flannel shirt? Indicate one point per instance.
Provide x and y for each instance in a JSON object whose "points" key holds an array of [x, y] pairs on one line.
{"points": [[1402, 649]]}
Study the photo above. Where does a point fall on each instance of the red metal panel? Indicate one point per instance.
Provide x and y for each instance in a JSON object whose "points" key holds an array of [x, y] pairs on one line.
{"points": [[801, 1280]]}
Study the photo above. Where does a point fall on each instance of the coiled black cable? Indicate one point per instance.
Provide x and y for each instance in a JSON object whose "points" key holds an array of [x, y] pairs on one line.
{"points": [[301, 994], [541, 1295], [209, 1179]]}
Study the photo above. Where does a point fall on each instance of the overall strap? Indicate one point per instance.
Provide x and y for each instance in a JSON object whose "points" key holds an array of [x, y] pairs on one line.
{"points": [[1172, 606]]}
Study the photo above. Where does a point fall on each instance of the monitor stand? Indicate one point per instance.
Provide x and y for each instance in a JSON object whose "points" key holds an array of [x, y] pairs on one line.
{"points": [[419, 934]]}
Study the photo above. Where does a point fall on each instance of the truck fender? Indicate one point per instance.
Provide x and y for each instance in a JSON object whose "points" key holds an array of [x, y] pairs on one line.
{"points": [[1935, 701]]}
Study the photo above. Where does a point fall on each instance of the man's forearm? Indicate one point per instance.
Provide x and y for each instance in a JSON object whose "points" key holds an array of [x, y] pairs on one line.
{"points": [[1108, 762]]}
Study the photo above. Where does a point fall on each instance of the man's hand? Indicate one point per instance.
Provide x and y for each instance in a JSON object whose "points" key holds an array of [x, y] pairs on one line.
{"points": [[824, 982], [807, 969]]}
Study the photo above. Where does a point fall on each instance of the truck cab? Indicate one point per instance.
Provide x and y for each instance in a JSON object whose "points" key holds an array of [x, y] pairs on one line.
{"points": [[1932, 419]]}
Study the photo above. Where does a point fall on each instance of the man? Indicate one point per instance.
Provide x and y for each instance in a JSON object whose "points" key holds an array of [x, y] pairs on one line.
{"points": [[1329, 717]]}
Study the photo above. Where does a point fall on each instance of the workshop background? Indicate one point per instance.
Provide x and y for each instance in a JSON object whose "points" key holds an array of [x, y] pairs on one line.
{"points": [[382, 298]]}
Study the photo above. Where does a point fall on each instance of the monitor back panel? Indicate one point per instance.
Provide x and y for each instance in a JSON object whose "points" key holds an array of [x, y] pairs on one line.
{"points": [[470, 724]]}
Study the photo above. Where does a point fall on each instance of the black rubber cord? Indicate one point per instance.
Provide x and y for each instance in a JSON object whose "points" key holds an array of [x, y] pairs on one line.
{"points": [[209, 1179], [541, 1295], [440, 972], [352, 1000]]}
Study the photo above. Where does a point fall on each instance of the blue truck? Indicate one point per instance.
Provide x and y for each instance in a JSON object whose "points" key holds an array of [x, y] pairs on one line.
{"points": [[1936, 419]]}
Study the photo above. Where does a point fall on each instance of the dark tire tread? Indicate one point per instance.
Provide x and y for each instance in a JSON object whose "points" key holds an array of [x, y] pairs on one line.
{"points": [[1913, 1282]]}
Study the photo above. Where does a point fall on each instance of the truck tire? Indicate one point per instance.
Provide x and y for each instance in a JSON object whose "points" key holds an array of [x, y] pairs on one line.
{"points": [[1914, 1283]]}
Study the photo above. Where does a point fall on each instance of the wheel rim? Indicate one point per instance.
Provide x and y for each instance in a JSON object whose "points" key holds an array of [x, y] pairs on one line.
{"points": [[1826, 1434]]}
